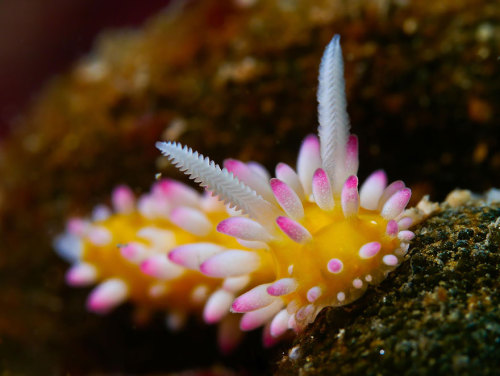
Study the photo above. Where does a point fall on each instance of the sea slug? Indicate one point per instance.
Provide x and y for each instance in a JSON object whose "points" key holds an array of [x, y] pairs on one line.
{"points": [[328, 240], [281, 250]]}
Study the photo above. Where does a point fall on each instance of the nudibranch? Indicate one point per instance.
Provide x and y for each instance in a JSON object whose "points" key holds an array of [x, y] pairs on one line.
{"points": [[328, 240], [124, 250]]}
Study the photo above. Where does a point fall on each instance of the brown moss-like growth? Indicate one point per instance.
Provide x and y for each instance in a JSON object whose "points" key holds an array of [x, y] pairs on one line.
{"points": [[438, 313]]}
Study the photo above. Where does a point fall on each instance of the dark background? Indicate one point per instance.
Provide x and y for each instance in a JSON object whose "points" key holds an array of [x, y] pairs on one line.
{"points": [[39, 38]]}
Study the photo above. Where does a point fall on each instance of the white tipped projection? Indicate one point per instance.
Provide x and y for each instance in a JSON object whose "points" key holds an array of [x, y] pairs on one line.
{"points": [[191, 256], [107, 295], [217, 306], [332, 114], [81, 274], [69, 247], [230, 263]]}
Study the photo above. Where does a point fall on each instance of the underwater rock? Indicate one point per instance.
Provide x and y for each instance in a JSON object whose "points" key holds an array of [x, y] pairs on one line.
{"points": [[437, 314]]}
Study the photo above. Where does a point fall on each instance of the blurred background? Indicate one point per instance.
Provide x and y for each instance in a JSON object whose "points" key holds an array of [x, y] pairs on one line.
{"points": [[40, 38]]}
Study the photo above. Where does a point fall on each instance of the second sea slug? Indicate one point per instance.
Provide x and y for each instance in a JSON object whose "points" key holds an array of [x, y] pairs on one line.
{"points": [[329, 239]]}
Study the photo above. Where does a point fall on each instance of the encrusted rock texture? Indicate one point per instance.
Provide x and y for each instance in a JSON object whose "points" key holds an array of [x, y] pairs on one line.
{"points": [[439, 314], [231, 79]]}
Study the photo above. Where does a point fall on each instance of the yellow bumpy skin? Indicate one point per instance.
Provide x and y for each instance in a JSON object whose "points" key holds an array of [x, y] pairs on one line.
{"points": [[328, 239]]}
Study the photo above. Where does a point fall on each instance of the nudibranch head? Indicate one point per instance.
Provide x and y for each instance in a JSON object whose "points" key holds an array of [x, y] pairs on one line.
{"points": [[124, 251], [328, 239]]}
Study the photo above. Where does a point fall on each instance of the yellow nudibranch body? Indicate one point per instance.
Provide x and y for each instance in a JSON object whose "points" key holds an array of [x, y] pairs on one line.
{"points": [[291, 245]]}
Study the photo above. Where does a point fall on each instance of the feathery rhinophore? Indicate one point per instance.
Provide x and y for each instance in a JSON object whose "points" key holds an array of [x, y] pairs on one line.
{"points": [[220, 181], [333, 119]]}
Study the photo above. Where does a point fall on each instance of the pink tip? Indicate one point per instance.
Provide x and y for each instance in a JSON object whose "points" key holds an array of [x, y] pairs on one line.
{"points": [[390, 260], [176, 192], [107, 295], [230, 263], [133, 252], [149, 266], [282, 287], [322, 190], [396, 204], [350, 197], [235, 166], [392, 228], [123, 199], [217, 306], [369, 250], [254, 319], [159, 267], [294, 230], [287, 198], [254, 299], [193, 255], [82, 274], [243, 228], [335, 266]]}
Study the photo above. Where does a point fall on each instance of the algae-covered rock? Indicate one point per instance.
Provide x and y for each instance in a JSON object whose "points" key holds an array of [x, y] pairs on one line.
{"points": [[437, 314]]}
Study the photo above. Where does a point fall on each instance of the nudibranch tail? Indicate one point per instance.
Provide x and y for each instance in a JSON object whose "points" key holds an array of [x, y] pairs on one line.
{"points": [[333, 239]]}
